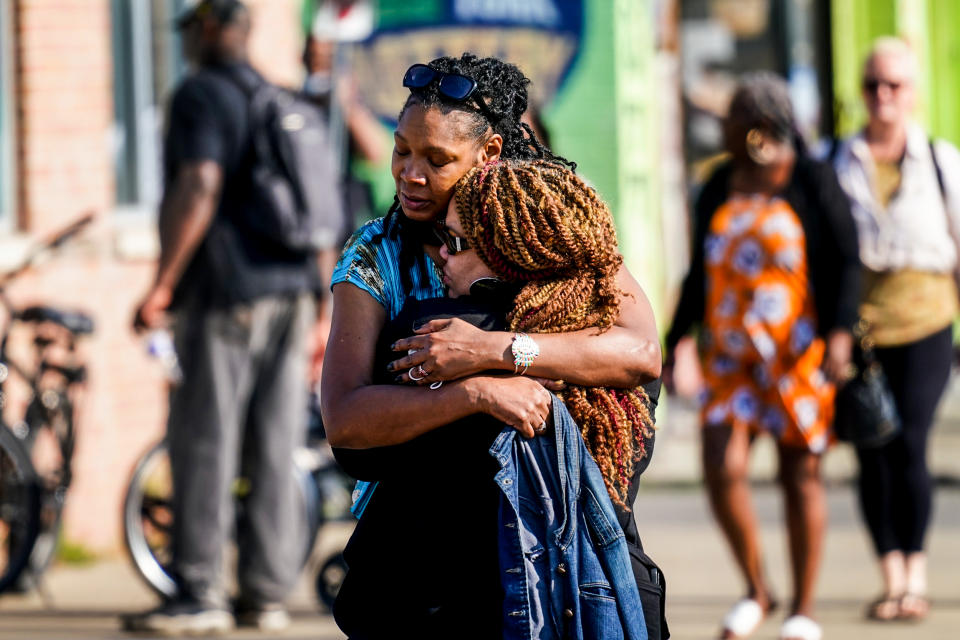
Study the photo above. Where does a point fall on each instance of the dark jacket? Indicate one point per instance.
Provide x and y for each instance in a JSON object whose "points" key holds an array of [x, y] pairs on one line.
{"points": [[833, 258]]}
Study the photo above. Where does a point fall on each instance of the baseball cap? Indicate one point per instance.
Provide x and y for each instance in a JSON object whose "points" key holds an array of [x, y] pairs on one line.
{"points": [[223, 11]]}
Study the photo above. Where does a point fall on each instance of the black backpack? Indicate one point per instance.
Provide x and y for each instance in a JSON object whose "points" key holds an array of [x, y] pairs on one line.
{"points": [[294, 177]]}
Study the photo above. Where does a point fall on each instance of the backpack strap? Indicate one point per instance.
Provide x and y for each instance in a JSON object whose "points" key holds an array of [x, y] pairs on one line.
{"points": [[936, 167], [250, 84], [834, 150], [243, 78]]}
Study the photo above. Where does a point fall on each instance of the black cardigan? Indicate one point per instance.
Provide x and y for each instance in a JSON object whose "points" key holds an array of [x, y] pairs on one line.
{"points": [[833, 258]]}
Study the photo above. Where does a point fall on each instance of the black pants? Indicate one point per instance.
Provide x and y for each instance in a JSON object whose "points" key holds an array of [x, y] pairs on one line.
{"points": [[895, 484]]}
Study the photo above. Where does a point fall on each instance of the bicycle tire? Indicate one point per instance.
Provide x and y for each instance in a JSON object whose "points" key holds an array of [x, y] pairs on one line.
{"points": [[139, 513], [140, 507], [51, 499], [19, 508], [330, 579]]}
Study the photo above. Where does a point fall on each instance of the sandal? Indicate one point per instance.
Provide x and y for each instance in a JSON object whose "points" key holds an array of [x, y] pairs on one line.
{"points": [[913, 607], [799, 627], [743, 619], [885, 608]]}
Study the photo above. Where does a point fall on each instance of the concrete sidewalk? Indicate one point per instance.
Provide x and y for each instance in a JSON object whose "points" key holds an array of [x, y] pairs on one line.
{"points": [[85, 604], [678, 532]]}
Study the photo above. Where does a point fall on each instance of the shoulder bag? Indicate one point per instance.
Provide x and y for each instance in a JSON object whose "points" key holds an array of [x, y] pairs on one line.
{"points": [[866, 413]]}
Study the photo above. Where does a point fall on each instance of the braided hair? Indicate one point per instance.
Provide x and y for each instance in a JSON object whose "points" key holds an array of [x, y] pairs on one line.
{"points": [[538, 223], [503, 89]]}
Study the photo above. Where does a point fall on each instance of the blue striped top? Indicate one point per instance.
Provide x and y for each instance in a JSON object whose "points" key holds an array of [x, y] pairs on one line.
{"points": [[374, 266]]}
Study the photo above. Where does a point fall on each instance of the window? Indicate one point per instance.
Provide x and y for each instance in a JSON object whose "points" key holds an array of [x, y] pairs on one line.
{"points": [[7, 126], [146, 64]]}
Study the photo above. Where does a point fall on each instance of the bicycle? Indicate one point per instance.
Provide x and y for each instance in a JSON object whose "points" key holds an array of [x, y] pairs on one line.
{"points": [[325, 493], [33, 488]]}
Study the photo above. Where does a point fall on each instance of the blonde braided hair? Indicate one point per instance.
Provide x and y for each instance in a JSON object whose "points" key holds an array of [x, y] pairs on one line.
{"points": [[537, 222]]}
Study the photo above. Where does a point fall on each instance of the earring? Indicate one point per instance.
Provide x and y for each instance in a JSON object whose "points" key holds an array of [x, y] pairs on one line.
{"points": [[759, 148]]}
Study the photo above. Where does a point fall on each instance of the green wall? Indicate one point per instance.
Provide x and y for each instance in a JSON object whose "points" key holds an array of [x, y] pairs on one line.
{"points": [[943, 55], [855, 25], [581, 118]]}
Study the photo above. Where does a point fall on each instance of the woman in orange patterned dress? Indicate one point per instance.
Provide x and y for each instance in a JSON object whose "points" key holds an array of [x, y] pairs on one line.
{"points": [[773, 286]]}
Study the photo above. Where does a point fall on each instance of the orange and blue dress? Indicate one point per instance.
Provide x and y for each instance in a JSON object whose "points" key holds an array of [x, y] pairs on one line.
{"points": [[760, 350]]}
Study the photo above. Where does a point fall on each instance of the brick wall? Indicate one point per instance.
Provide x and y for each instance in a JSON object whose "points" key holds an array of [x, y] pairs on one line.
{"points": [[64, 109], [64, 167]]}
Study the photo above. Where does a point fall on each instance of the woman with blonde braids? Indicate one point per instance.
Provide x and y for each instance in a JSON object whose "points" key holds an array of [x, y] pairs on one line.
{"points": [[538, 227], [537, 223]]}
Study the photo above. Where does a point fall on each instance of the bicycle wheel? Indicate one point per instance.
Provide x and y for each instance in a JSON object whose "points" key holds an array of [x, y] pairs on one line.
{"points": [[53, 481], [19, 508], [148, 518], [330, 578]]}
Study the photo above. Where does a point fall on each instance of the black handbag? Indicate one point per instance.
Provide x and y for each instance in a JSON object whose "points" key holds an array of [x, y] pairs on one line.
{"points": [[866, 413]]}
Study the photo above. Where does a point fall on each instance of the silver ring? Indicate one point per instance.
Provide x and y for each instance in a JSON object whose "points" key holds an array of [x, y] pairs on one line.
{"points": [[542, 428], [415, 378]]}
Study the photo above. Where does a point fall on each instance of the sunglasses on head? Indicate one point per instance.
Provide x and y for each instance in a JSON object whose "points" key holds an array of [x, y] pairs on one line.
{"points": [[454, 86], [454, 244], [873, 84]]}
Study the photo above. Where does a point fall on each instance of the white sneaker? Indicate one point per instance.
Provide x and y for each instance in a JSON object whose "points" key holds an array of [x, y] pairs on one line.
{"points": [[270, 617], [181, 618]]}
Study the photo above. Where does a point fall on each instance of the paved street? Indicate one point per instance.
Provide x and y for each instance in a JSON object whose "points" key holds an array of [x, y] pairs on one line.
{"points": [[677, 531], [83, 603]]}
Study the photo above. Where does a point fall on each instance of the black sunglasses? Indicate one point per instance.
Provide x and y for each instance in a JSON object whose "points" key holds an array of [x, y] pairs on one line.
{"points": [[455, 86], [454, 244], [872, 84]]}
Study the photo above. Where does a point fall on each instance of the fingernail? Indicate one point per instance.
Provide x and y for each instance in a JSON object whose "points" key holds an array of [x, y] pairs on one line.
{"points": [[398, 379], [391, 367], [393, 347]]}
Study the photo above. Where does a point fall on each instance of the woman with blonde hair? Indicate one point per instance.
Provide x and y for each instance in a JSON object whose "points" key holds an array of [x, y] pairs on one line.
{"points": [[905, 193]]}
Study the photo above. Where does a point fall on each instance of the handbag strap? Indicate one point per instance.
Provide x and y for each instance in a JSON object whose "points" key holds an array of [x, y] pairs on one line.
{"points": [[861, 331]]}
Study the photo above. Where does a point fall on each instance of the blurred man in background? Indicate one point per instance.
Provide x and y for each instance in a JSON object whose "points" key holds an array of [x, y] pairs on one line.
{"points": [[241, 308]]}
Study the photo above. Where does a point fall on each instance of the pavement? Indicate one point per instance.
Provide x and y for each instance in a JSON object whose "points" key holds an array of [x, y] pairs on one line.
{"points": [[84, 602], [678, 532]]}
